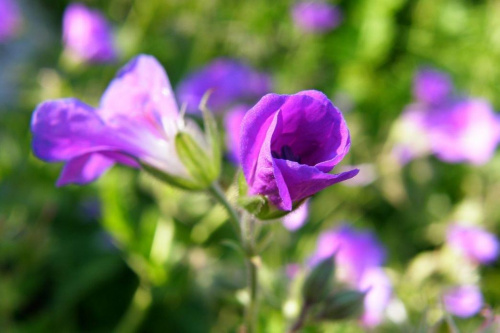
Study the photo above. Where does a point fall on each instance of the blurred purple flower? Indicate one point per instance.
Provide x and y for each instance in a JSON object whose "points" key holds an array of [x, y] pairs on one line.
{"points": [[10, 19], [87, 34], [356, 251], [463, 131], [475, 243], [463, 301], [231, 81], [135, 123], [378, 288], [232, 125], [316, 17], [358, 258], [454, 129], [296, 219], [289, 143], [431, 86]]}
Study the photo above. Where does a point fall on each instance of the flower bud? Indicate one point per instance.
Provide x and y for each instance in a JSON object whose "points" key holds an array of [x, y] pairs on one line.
{"points": [[318, 284], [343, 304]]}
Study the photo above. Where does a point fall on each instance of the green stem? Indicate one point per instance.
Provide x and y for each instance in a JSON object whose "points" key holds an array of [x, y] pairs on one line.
{"points": [[245, 231], [301, 319], [137, 310], [252, 261], [234, 218]]}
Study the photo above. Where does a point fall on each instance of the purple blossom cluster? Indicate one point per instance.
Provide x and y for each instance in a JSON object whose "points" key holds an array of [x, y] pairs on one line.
{"points": [[359, 257], [87, 34], [10, 19], [479, 247], [454, 128]]}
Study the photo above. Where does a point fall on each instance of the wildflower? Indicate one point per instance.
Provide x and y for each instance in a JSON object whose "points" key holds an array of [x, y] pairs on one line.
{"points": [[358, 259], [474, 243], [87, 34], [229, 81], [289, 143], [136, 124], [10, 19], [316, 17], [463, 301], [455, 129]]}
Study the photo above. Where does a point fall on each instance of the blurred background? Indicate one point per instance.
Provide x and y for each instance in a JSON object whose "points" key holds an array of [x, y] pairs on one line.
{"points": [[127, 253]]}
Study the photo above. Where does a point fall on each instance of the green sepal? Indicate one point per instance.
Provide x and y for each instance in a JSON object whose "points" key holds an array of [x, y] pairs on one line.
{"points": [[186, 184], [195, 159], [213, 136], [341, 305], [318, 283]]}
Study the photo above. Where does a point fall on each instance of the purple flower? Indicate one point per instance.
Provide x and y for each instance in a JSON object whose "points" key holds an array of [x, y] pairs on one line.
{"points": [[463, 131], [463, 301], [134, 124], [87, 34], [229, 80], [316, 16], [378, 288], [475, 243], [296, 219], [10, 19], [232, 125], [355, 251], [432, 86], [289, 143]]}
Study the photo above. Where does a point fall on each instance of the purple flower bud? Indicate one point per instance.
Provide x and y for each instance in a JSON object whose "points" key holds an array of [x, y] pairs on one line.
{"points": [[296, 219], [432, 86], [356, 251], [378, 288], [463, 301], [316, 17], [87, 34], [229, 80], [475, 243], [289, 143], [10, 19], [232, 125], [136, 124]]}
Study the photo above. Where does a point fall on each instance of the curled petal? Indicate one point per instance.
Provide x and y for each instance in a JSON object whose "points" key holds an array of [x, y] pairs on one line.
{"points": [[304, 181]]}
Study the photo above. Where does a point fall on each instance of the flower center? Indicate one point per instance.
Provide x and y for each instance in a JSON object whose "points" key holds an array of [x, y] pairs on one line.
{"points": [[286, 154]]}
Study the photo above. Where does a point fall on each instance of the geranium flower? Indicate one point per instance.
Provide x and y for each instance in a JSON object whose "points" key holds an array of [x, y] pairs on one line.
{"points": [[135, 124], [87, 34], [289, 143], [463, 301], [10, 19], [474, 243], [230, 81], [316, 17]]}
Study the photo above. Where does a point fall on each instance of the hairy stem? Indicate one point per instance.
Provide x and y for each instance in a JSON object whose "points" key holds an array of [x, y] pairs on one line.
{"points": [[245, 231], [234, 218]]}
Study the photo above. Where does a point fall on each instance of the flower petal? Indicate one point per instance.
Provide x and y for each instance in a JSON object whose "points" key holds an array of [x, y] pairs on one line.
{"points": [[141, 91], [84, 169], [303, 181], [254, 129], [66, 128]]}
